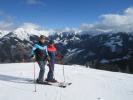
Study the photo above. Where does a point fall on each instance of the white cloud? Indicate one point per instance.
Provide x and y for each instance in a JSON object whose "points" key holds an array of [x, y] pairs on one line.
{"points": [[6, 23], [28, 29], [112, 23], [34, 2], [108, 23], [6, 26], [30, 26], [66, 29], [5, 16]]}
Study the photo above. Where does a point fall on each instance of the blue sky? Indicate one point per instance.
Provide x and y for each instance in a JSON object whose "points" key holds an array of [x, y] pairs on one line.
{"points": [[60, 13]]}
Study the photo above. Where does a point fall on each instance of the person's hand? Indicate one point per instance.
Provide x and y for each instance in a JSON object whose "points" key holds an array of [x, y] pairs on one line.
{"points": [[48, 58], [58, 56], [33, 58]]}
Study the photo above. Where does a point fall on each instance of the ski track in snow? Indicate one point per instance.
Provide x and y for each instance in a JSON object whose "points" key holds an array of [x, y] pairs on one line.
{"points": [[16, 83]]}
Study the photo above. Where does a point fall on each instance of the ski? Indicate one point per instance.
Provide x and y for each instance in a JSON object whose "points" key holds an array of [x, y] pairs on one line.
{"points": [[56, 84], [60, 84]]}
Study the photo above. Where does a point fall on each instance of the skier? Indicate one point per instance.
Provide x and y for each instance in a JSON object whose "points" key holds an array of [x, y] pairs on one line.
{"points": [[52, 54], [40, 54]]}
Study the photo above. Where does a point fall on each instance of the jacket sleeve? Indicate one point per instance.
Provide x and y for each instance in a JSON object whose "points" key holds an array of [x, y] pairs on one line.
{"points": [[33, 49], [47, 51]]}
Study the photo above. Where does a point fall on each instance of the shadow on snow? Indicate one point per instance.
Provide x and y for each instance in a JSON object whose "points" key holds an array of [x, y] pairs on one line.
{"points": [[15, 79]]}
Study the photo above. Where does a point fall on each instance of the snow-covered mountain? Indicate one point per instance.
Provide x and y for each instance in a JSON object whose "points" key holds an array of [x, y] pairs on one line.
{"points": [[16, 83], [24, 34], [110, 51]]}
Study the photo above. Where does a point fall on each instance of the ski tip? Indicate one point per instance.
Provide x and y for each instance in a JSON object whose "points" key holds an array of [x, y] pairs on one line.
{"points": [[69, 83], [63, 86]]}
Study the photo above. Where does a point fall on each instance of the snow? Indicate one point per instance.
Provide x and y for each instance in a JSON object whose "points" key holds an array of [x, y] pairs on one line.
{"points": [[26, 30], [113, 44], [87, 84], [25, 33], [3, 33], [73, 52], [104, 61], [90, 53]]}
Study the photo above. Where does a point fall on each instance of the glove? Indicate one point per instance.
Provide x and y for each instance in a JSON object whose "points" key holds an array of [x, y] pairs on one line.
{"points": [[58, 56], [48, 58], [33, 58]]}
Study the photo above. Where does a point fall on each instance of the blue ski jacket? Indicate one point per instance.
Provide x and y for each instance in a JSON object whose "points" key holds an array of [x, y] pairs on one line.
{"points": [[39, 50]]}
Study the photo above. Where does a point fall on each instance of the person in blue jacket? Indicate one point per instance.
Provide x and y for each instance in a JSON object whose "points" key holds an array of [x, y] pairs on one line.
{"points": [[40, 54]]}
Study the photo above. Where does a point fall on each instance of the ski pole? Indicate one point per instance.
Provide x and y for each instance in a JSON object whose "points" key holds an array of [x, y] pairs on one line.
{"points": [[64, 73], [34, 78]]}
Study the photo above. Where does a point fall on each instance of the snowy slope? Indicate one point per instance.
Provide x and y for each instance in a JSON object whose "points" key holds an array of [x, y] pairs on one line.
{"points": [[88, 84]]}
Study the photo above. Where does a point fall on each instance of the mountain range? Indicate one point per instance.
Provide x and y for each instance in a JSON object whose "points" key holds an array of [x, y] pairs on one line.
{"points": [[107, 51]]}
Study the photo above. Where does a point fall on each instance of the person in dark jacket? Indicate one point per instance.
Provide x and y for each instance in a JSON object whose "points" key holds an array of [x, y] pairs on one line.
{"points": [[40, 54], [51, 52]]}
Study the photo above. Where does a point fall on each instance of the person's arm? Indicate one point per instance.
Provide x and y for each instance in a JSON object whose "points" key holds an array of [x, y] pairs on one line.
{"points": [[33, 52], [47, 51], [48, 57]]}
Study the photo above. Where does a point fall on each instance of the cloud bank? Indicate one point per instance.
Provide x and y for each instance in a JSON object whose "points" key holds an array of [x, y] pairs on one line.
{"points": [[108, 23], [112, 23]]}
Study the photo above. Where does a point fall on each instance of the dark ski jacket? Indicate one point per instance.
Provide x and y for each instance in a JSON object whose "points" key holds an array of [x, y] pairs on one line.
{"points": [[39, 50]]}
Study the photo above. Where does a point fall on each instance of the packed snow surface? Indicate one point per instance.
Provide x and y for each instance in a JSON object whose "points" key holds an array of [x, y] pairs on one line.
{"points": [[87, 84]]}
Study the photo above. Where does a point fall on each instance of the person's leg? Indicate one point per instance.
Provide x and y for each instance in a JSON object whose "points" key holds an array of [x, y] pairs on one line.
{"points": [[51, 71], [42, 70]]}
